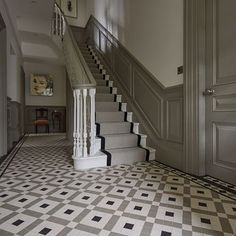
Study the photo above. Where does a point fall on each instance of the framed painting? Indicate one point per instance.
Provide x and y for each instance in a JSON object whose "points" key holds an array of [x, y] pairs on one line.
{"points": [[41, 85], [69, 8]]}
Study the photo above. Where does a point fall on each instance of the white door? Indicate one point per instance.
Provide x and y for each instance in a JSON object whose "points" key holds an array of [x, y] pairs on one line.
{"points": [[221, 93]]}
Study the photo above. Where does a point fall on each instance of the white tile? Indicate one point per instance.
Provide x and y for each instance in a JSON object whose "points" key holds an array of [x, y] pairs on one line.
{"points": [[110, 203], [76, 232], [53, 227], [121, 223], [22, 200], [96, 219], [10, 225], [85, 198], [120, 191], [44, 206], [68, 212], [63, 193], [138, 208], [163, 213]]}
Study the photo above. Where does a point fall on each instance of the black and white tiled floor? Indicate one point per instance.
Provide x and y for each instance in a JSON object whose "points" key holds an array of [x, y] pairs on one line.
{"points": [[41, 194]]}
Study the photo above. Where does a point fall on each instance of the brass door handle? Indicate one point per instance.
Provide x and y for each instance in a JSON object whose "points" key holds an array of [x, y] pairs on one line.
{"points": [[209, 92]]}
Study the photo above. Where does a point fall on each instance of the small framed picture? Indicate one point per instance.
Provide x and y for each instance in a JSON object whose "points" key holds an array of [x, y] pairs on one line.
{"points": [[41, 85], [69, 8]]}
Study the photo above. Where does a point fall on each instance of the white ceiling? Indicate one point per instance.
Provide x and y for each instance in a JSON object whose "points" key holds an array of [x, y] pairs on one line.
{"points": [[32, 21], [31, 8]]}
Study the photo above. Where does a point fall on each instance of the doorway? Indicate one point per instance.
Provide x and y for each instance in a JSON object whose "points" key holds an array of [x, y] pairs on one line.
{"points": [[210, 89]]}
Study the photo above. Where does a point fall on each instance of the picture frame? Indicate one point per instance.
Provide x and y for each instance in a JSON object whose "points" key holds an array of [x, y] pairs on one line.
{"points": [[69, 8], [41, 85]]}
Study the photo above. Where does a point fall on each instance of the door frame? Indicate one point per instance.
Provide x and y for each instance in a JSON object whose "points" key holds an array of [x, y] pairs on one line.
{"points": [[194, 85]]}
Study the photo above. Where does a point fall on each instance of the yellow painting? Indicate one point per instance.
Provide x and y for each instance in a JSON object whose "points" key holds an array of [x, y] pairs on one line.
{"points": [[41, 85]]}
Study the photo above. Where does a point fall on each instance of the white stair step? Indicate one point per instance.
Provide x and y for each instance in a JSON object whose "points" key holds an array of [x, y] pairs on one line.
{"points": [[110, 116], [114, 128], [107, 106], [103, 89], [101, 82], [127, 155], [104, 97], [120, 141]]}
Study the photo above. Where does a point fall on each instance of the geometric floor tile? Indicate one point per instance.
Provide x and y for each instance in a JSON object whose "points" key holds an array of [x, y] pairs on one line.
{"points": [[41, 194]]}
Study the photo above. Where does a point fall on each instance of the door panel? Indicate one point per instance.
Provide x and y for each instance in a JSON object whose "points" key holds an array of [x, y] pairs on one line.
{"points": [[221, 77]]}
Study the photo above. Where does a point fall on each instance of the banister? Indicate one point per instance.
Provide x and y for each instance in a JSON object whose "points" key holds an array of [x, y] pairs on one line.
{"points": [[78, 71]]}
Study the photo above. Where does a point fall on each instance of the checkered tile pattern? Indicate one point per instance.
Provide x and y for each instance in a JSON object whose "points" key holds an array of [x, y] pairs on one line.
{"points": [[41, 194]]}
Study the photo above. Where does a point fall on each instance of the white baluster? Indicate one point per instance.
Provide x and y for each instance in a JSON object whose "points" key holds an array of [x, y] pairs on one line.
{"points": [[79, 127], [56, 31], [85, 151], [92, 121], [75, 124]]}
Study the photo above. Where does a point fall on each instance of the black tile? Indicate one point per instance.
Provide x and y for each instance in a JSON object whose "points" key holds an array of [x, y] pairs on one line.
{"points": [[78, 184], [154, 177], [43, 178], [72, 174], [45, 231], [134, 175], [68, 211], [138, 208], [175, 179], [200, 192], [120, 191], [110, 203], [22, 200], [44, 189], [205, 221], [173, 188], [234, 208], [18, 222], [26, 186], [144, 195], [44, 205], [59, 181], [63, 193], [3, 195], [168, 213], [127, 182], [107, 179], [202, 204], [90, 176], [164, 233], [128, 226], [149, 185], [172, 199], [85, 197], [9, 182], [96, 218], [98, 187]]}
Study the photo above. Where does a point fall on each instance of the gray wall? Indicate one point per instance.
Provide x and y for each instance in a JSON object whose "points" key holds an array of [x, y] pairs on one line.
{"points": [[158, 109], [59, 84], [3, 92]]}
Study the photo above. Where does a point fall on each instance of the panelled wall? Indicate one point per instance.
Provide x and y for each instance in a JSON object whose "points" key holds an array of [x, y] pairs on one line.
{"points": [[158, 109]]}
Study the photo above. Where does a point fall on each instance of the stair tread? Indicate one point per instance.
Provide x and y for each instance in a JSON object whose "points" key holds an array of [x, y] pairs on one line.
{"points": [[117, 150], [119, 135]]}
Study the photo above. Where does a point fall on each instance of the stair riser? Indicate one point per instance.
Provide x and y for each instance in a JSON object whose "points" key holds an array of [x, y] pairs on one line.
{"points": [[101, 82], [105, 97], [103, 89], [120, 128], [107, 106], [134, 156], [110, 117], [121, 142]]}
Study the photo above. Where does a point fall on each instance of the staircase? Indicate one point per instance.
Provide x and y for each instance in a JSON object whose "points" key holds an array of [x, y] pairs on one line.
{"points": [[104, 132], [120, 138]]}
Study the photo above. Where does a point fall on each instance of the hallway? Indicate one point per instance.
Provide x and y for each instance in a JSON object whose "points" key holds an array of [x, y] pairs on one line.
{"points": [[41, 194]]}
